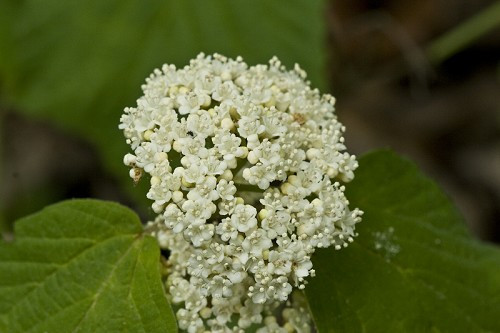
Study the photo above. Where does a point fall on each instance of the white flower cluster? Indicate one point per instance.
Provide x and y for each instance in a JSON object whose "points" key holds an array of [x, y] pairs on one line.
{"points": [[245, 166]]}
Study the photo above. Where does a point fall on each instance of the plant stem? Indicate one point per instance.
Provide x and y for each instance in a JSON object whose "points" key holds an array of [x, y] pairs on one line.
{"points": [[248, 188], [466, 33], [242, 162]]}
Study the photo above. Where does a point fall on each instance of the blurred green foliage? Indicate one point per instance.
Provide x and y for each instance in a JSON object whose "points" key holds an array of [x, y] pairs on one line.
{"points": [[77, 64]]}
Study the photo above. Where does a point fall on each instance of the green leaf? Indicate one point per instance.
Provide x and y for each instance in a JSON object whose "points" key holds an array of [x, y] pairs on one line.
{"points": [[414, 266], [79, 63], [82, 266]]}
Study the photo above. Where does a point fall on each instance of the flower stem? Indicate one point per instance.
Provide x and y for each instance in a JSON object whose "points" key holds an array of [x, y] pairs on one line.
{"points": [[248, 188], [242, 162]]}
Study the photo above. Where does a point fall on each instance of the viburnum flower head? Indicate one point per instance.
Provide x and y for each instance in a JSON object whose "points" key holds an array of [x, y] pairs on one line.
{"points": [[246, 165]]}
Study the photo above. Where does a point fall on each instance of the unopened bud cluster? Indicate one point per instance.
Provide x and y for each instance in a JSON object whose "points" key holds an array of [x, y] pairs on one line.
{"points": [[246, 166]]}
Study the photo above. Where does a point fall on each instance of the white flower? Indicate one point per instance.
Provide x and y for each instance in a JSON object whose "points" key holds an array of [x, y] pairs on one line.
{"points": [[250, 313], [275, 222], [200, 123], [189, 321], [172, 181], [225, 92], [205, 190], [280, 262], [244, 218], [268, 153], [274, 124], [145, 155], [256, 243], [175, 218], [158, 192], [279, 289], [245, 165], [214, 165], [190, 103], [198, 266], [271, 326], [180, 289], [198, 211], [227, 144], [198, 234], [220, 287], [193, 147], [226, 189], [260, 175], [195, 174], [226, 207], [226, 230], [250, 126]]}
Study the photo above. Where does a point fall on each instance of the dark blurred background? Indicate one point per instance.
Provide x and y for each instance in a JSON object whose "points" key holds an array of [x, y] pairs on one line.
{"points": [[420, 77], [442, 109]]}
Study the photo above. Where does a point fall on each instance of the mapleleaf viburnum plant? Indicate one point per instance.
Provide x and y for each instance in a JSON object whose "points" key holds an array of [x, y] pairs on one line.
{"points": [[253, 193]]}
